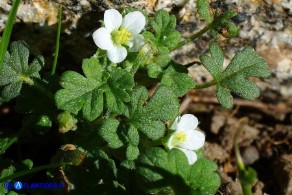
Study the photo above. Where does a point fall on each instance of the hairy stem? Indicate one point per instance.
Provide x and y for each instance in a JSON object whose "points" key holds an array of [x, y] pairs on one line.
{"points": [[194, 36], [206, 85], [57, 41], [33, 170]]}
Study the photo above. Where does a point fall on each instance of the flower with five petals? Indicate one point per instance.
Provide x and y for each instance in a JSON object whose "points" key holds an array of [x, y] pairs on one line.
{"points": [[185, 137], [119, 32]]}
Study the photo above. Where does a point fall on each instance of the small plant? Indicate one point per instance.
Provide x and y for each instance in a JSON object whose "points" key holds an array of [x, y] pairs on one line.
{"points": [[118, 139]]}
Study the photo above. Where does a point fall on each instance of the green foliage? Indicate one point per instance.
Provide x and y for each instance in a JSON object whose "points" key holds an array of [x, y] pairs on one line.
{"points": [[204, 10], [164, 39], [108, 132], [164, 27], [133, 139], [5, 143], [16, 70], [40, 123], [148, 119], [120, 124], [233, 79], [4, 173], [66, 122], [159, 171], [27, 163], [248, 176], [93, 172], [7, 31], [86, 93], [176, 77], [222, 25]]}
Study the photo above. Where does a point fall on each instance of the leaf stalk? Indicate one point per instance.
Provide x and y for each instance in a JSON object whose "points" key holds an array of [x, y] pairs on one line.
{"points": [[7, 31], [57, 41]]}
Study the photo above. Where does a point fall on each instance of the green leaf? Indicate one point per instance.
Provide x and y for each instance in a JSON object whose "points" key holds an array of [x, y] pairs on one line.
{"points": [[149, 118], [66, 122], [6, 142], [40, 123], [233, 79], [86, 93], [221, 25], [248, 176], [133, 138], [4, 173], [204, 10], [176, 77], [230, 30], [160, 171], [7, 30], [214, 63], [86, 176], [161, 42], [164, 27], [105, 161], [132, 152], [224, 97], [80, 92], [27, 163], [158, 63], [203, 177], [154, 70], [16, 70], [108, 132], [116, 93]]}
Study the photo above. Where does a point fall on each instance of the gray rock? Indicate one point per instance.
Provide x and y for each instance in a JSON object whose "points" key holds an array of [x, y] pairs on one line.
{"points": [[282, 170]]}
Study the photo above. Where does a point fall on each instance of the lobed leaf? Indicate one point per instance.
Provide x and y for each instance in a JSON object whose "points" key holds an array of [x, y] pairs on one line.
{"points": [[164, 27], [204, 10], [176, 77], [233, 79], [132, 152], [162, 42], [160, 171], [86, 93], [149, 118], [16, 70], [108, 132], [203, 177], [133, 138], [4, 173]]}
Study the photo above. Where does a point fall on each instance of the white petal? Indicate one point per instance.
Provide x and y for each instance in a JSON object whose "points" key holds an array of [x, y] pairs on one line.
{"points": [[194, 140], [134, 22], [117, 54], [191, 155], [102, 38], [136, 43], [169, 143], [174, 125], [112, 19], [187, 122]]}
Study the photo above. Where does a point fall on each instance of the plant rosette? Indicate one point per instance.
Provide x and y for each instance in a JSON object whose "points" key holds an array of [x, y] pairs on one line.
{"points": [[119, 33], [185, 137]]}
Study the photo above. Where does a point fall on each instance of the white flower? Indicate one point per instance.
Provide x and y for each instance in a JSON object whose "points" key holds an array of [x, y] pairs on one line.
{"points": [[185, 137], [119, 32]]}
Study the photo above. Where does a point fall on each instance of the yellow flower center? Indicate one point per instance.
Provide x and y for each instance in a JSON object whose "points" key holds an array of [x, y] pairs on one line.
{"points": [[181, 136], [121, 36]]}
